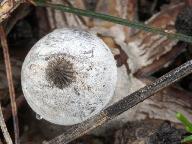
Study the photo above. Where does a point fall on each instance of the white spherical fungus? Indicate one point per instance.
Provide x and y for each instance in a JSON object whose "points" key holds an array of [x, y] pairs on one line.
{"points": [[68, 76]]}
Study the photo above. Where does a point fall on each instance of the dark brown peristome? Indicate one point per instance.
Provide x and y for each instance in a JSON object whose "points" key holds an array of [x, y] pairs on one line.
{"points": [[59, 72]]}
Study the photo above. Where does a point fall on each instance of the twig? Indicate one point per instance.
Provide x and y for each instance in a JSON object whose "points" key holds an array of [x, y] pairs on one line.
{"points": [[135, 25], [124, 104], [7, 7], [10, 82], [4, 128], [20, 101], [19, 13], [152, 9]]}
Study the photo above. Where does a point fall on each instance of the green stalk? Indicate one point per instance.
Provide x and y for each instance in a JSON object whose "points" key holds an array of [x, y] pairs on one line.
{"points": [[187, 139], [185, 121], [117, 20]]}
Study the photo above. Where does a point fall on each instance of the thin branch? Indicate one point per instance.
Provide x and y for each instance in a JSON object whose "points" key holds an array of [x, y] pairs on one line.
{"points": [[4, 128], [10, 82], [7, 111], [19, 13], [8, 6], [124, 104], [135, 25]]}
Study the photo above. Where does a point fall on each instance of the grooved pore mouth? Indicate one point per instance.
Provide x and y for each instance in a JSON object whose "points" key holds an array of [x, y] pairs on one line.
{"points": [[60, 72]]}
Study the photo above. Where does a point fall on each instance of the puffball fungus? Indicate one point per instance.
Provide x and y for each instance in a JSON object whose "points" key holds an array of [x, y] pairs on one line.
{"points": [[68, 76]]}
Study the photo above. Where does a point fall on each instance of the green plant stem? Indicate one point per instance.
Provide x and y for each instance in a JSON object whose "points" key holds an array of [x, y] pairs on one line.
{"points": [[135, 25], [185, 121], [187, 139]]}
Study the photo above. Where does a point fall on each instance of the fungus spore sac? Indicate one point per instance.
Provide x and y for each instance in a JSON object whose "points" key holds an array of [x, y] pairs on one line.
{"points": [[68, 76]]}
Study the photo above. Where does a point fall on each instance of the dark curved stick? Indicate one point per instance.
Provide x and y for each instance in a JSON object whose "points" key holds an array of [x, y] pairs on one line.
{"points": [[123, 105]]}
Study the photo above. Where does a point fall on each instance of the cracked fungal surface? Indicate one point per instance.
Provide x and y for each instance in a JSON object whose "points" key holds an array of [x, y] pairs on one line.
{"points": [[68, 76]]}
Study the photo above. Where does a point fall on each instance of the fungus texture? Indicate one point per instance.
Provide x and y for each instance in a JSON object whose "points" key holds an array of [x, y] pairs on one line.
{"points": [[68, 76]]}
